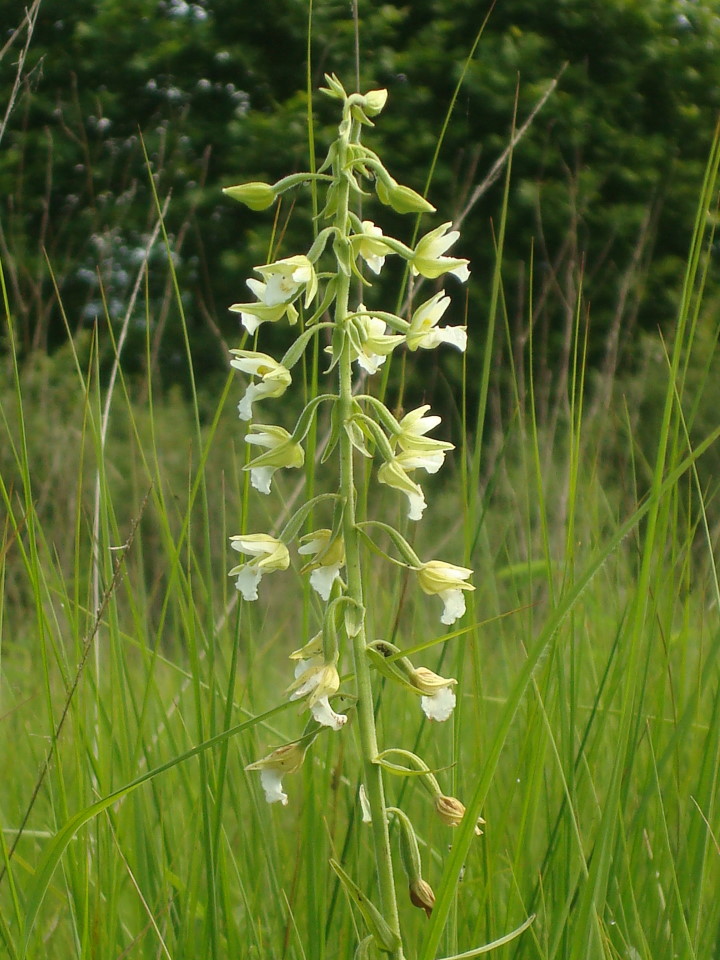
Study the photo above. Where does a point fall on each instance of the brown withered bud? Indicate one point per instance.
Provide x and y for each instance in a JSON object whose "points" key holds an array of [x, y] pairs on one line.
{"points": [[421, 895], [451, 811]]}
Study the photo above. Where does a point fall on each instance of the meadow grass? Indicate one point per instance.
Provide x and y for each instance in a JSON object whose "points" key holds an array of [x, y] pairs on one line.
{"points": [[134, 687]]}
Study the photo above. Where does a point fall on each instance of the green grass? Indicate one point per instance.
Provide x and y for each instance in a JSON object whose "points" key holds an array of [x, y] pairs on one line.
{"points": [[134, 688]]}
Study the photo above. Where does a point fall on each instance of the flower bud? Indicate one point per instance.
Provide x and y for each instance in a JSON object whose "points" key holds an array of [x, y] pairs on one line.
{"points": [[451, 811], [374, 101], [421, 895], [400, 198], [256, 195]]}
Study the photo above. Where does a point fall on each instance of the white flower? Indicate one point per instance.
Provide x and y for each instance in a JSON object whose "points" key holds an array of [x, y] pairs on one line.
{"points": [[274, 378], [318, 681], [448, 582], [438, 700], [274, 767], [253, 314], [324, 569], [284, 279], [282, 451], [268, 554], [282, 283], [369, 342], [370, 246], [417, 449], [394, 475], [428, 258], [424, 333]]}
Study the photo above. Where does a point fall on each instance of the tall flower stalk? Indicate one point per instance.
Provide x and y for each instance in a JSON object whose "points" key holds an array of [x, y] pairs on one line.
{"points": [[361, 426]]}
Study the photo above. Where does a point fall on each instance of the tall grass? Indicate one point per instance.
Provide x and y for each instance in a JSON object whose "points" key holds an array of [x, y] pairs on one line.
{"points": [[134, 688]]}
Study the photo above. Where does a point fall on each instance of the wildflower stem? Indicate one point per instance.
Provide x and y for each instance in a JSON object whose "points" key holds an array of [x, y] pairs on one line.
{"points": [[372, 773]]}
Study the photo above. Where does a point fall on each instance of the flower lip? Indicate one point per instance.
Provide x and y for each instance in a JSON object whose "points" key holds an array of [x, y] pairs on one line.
{"points": [[284, 760]]}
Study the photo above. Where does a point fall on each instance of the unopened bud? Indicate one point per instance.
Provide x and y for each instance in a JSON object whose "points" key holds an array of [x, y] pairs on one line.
{"points": [[374, 101], [400, 198], [421, 895], [256, 195], [451, 811]]}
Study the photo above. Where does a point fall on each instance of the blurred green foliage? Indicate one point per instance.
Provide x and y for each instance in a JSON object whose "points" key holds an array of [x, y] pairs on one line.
{"points": [[604, 184]]}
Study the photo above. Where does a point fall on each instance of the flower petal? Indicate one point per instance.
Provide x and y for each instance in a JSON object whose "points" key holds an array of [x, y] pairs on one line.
{"points": [[440, 705], [271, 781], [325, 715], [248, 578], [454, 601]]}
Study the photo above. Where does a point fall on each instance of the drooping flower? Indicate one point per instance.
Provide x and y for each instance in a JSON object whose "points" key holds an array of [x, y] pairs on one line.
{"points": [[424, 332], [413, 441], [370, 246], [284, 760], [428, 259], [448, 582], [253, 314], [373, 343], [274, 378], [282, 451], [370, 343], [394, 475], [285, 279], [268, 554], [438, 700], [282, 283], [329, 557], [318, 681]]}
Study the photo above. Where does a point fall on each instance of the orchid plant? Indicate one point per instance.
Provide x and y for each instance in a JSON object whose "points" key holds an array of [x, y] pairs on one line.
{"points": [[318, 284]]}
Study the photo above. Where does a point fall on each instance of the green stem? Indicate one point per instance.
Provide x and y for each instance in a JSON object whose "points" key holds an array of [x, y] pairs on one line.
{"points": [[372, 773]]}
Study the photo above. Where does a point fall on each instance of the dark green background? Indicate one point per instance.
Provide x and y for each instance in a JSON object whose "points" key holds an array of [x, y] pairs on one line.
{"points": [[605, 184]]}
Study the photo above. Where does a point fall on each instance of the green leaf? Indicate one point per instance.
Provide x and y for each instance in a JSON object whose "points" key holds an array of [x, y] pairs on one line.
{"points": [[500, 942], [59, 843], [384, 936]]}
